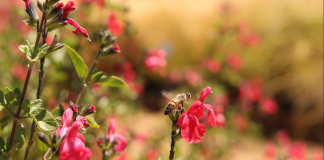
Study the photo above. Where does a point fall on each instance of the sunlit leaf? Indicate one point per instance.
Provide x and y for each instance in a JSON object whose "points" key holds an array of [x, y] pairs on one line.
{"points": [[44, 119], [114, 81], [92, 123], [78, 63]]}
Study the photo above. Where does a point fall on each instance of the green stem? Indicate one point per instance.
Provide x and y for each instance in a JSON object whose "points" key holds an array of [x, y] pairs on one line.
{"points": [[87, 79], [173, 134], [17, 115]]}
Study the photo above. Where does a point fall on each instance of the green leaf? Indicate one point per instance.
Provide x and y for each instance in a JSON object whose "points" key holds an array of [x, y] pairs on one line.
{"points": [[26, 106], [19, 137], [35, 104], [43, 147], [56, 112], [92, 123], [10, 96], [114, 81], [78, 63], [3, 125], [44, 119], [3, 157], [97, 76], [17, 93], [2, 144], [2, 99], [30, 23]]}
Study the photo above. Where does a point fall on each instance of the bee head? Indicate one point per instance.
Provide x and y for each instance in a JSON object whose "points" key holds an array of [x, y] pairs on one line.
{"points": [[188, 95]]}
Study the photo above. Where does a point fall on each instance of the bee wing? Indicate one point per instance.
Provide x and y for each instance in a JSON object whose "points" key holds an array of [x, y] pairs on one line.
{"points": [[168, 94], [187, 102]]}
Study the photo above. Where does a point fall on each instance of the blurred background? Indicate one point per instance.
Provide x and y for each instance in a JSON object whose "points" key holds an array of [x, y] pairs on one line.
{"points": [[262, 59]]}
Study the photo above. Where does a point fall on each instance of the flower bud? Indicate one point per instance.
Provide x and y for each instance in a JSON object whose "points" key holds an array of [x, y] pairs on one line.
{"points": [[54, 10], [99, 142], [83, 120], [43, 138], [174, 116], [68, 8], [40, 5], [112, 49], [89, 110], [74, 108], [54, 138], [51, 2], [56, 20], [31, 11]]}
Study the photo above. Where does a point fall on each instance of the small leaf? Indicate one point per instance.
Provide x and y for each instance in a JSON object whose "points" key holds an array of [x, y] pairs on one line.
{"points": [[56, 112], [35, 104], [26, 106], [2, 144], [78, 63], [44, 119], [43, 147], [30, 23], [97, 76], [17, 92], [19, 137], [10, 96], [2, 99], [92, 123], [114, 81]]}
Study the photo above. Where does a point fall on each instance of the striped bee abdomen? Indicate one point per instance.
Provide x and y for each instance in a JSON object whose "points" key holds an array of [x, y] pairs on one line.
{"points": [[171, 106]]}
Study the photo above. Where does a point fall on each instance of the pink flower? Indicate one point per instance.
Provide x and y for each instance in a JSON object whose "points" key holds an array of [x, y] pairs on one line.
{"points": [[212, 65], [83, 121], [191, 130], [113, 24], [220, 120], [68, 8], [174, 76], [318, 154], [74, 108], [251, 90], [66, 120], [99, 142], [270, 150], [155, 59], [193, 78], [27, 3], [283, 137], [121, 157], [269, 106], [59, 6], [72, 147], [234, 61], [112, 136], [19, 71], [297, 151], [78, 28], [246, 37]]}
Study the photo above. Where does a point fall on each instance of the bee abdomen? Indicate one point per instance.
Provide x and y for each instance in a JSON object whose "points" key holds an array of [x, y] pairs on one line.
{"points": [[168, 109]]}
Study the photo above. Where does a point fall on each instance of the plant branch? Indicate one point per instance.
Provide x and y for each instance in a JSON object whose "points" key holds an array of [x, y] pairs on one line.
{"points": [[40, 82], [173, 134], [87, 79]]}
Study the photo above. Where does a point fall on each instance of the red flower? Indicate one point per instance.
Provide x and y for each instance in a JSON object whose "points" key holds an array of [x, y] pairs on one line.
{"points": [[113, 24], [270, 150], [19, 71], [191, 130], [269, 106], [234, 61], [193, 78], [112, 136], [59, 6], [155, 59], [297, 151], [251, 90], [66, 120], [27, 3], [99, 142], [152, 154], [318, 154], [220, 119], [92, 108], [68, 8], [74, 108], [72, 147], [212, 65], [78, 28], [283, 137], [241, 123], [83, 121]]}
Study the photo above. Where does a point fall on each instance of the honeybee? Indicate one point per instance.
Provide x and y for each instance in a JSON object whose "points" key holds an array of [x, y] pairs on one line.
{"points": [[176, 103]]}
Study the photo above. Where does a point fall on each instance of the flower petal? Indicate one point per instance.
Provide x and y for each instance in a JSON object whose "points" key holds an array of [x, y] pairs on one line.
{"points": [[68, 8], [204, 93], [83, 120], [67, 117], [196, 109], [191, 130], [211, 115], [112, 127], [180, 120], [78, 28], [121, 143]]}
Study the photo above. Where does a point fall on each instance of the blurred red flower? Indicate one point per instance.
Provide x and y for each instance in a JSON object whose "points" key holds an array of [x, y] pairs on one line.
{"points": [[155, 59], [318, 154], [220, 120], [282, 137], [73, 147], [241, 122], [251, 90], [234, 61], [4, 12], [212, 65], [112, 136], [152, 154], [297, 150], [269, 105], [270, 150], [246, 36], [114, 25], [193, 78], [191, 129], [174, 76], [19, 71]]}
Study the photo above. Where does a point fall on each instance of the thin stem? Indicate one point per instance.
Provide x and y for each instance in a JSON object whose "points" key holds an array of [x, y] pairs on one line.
{"points": [[40, 81], [16, 117], [87, 79], [47, 154], [173, 134]]}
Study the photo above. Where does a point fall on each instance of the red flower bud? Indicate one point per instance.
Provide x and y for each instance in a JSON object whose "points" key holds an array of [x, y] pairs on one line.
{"points": [[59, 6], [68, 8], [27, 3], [116, 48], [99, 142], [92, 108], [74, 108]]}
